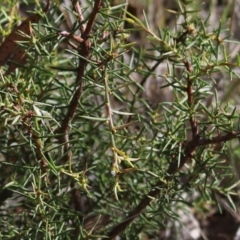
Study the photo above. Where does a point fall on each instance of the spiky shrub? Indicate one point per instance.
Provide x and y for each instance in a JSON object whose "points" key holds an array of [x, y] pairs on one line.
{"points": [[85, 153]]}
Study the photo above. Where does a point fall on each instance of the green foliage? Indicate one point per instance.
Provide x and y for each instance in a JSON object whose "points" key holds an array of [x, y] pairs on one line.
{"points": [[84, 153]]}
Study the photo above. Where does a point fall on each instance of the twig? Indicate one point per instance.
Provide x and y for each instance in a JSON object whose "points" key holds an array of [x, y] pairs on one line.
{"points": [[92, 18], [80, 15], [84, 51], [190, 100]]}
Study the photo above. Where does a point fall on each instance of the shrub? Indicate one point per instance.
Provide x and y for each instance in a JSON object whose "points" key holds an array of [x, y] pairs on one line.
{"points": [[103, 137]]}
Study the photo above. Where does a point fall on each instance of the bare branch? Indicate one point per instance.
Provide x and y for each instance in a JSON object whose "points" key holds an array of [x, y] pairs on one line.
{"points": [[80, 15], [92, 18], [190, 99]]}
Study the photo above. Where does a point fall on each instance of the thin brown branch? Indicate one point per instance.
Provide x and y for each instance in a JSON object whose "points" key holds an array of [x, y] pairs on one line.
{"points": [[92, 18], [69, 35], [190, 99], [219, 139], [173, 168], [137, 211], [84, 51], [80, 15]]}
